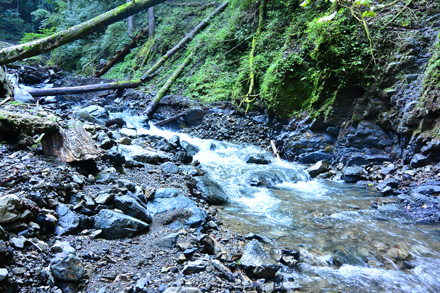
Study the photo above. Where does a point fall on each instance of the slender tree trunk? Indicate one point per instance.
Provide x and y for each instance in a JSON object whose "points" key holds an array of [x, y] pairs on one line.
{"points": [[18, 8], [131, 83], [130, 28], [161, 93], [151, 22], [69, 5], [185, 40], [47, 44], [121, 54]]}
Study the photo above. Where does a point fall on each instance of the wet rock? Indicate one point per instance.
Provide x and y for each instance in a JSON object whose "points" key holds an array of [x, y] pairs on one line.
{"points": [[119, 122], [257, 261], [191, 149], [428, 189], [167, 199], [91, 113], [133, 207], [194, 116], [211, 192], [68, 221], [262, 179], [137, 153], [183, 157], [67, 267], [260, 159], [313, 157], [193, 267], [386, 187], [352, 174], [318, 168], [169, 168], [115, 225], [10, 207]]}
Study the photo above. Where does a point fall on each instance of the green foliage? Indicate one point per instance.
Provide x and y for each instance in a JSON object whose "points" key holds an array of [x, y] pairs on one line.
{"points": [[432, 78], [45, 32]]}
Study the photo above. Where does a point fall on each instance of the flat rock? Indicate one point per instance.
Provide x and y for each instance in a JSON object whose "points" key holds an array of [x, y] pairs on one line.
{"points": [[115, 225]]}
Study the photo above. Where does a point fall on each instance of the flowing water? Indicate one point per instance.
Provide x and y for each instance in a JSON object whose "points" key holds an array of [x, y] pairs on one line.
{"points": [[345, 245]]}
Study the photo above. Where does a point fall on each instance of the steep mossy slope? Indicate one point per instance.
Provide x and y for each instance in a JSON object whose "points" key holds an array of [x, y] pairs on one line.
{"points": [[315, 56]]}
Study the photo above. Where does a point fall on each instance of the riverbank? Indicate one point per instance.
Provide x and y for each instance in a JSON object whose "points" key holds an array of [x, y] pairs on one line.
{"points": [[59, 218]]}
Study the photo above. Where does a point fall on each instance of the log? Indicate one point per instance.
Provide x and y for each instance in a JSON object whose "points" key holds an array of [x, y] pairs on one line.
{"points": [[161, 93], [85, 88], [71, 145], [274, 149], [121, 54], [185, 40], [14, 53], [171, 119]]}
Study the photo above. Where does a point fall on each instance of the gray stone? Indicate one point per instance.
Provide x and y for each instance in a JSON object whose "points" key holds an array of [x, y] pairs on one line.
{"points": [[62, 246], [18, 242], [193, 267], [104, 198], [133, 207], [141, 285], [182, 290], [68, 221], [10, 207], [3, 274], [169, 168], [191, 149], [419, 160], [256, 260], [352, 174], [167, 199], [116, 225], [318, 168], [67, 267], [137, 153], [262, 179], [212, 192], [260, 159], [169, 241]]}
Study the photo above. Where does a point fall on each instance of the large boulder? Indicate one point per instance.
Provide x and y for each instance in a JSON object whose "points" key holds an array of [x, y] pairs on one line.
{"points": [[258, 262], [115, 225], [139, 154], [352, 174], [212, 192], [318, 168], [6, 88], [167, 200], [263, 179], [132, 207]]}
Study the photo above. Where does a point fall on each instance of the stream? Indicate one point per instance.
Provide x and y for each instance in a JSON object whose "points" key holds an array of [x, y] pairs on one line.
{"points": [[345, 244]]}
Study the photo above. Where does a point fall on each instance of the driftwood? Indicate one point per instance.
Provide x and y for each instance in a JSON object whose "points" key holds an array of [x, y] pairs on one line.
{"points": [[171, 119], [84, 88], [131, 83], [72, 145], [121, 54], [161, 93], [5, 101], [274, 149], [14, 53]]}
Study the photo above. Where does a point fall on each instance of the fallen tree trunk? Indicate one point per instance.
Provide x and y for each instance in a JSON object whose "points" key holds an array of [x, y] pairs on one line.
{"points": [[161, 93], [134, 83], [47, 44], [121, 54], [85, 88], [185, 40]]}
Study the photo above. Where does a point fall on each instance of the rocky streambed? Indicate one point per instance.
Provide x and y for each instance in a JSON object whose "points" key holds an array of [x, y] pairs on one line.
{"points": [[146, 215]]}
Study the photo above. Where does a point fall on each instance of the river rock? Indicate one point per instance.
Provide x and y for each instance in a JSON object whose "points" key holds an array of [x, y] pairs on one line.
{"points": [[68, 221], [258, 262], [137, 153], [352, 174], [18, 242], [92, 112], [182, 290], [212, 192], [262, 179], [260, 159], [191, 149], [193, 267], [3, 274], [318, 168], [67, 267], [115, 225], [169, 168], [419, 160], [167, 199], [10, 207], [133, 207], [169, 241]]}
